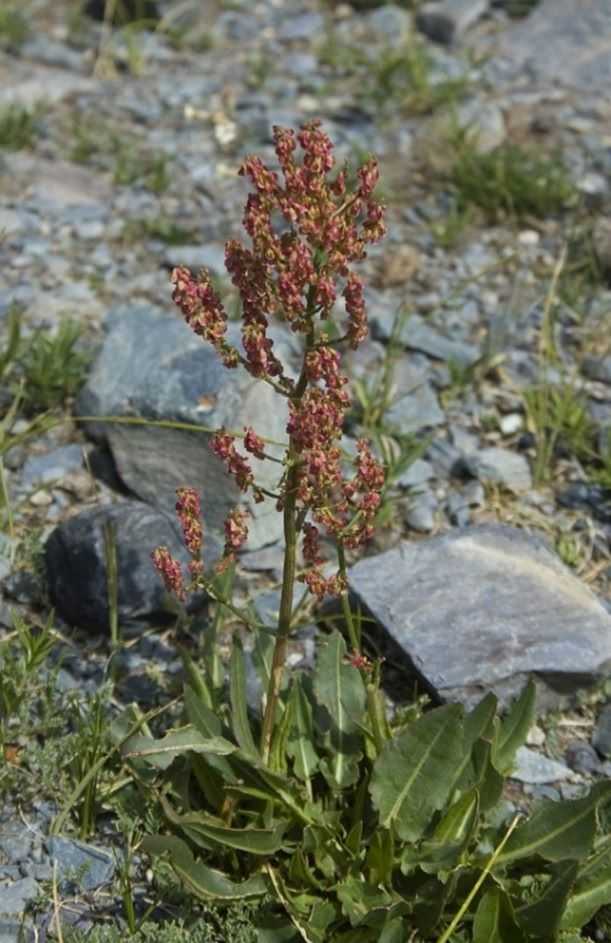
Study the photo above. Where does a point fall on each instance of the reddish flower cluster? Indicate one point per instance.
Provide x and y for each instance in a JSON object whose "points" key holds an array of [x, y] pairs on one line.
{"points": [[188, 510], [170, 571], [238, 466], [236, 534], [203, 311], [295, 273]]}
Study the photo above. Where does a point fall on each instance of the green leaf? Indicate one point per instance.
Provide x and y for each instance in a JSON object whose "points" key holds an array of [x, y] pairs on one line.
{"points": [[237, 694], [273, 928], [204, 882], [413, 774], [161, 753], [514, 729], [592, 890], [262, 655], [478, 728], [208, 725], [450, 838], [395, 931], [256, 841], [557, 830], [301, 742], [542, 917], [339, 688], [359, 899], [494, 920], [282, 729]]}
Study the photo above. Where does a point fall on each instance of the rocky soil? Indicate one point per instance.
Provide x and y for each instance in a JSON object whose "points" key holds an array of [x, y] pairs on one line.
{"points": [[489, 374]]}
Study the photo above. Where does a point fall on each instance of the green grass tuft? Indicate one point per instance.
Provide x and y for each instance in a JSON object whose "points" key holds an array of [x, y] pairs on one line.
{"points": [[510, 181], [17, 128]]}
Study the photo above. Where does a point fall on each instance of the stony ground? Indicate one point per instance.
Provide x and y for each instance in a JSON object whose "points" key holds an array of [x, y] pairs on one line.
{"points": [[490, 305]]}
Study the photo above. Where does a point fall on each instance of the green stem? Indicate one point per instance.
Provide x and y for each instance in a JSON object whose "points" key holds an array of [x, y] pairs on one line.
{"points": [[291, 519], [353, 635]]}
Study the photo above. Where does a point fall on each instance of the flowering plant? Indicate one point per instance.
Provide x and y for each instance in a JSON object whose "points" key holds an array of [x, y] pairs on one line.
{"points": [[360, 826], [296, 275]]}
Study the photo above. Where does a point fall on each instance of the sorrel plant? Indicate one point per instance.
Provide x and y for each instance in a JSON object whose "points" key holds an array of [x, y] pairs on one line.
{"points": [[362, 825], [296, 275]]}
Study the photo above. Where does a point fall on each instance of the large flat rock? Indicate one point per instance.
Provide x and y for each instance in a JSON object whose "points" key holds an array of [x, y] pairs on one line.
{"points": [[483, 609], [566, 41], [152, 366]]}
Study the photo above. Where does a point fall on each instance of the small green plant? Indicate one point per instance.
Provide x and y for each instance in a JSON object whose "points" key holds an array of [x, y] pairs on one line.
{"points": [[17, 128], [135, 167], [89, 743], [558, 417], [229, 923], [52, 366], [360, 823], [13, 28], [161, 227], [406, 76], [509, 181], [22, 655]]}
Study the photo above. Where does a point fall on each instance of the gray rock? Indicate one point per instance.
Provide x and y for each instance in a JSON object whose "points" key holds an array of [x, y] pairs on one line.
{"points": [[601, 738], [418, 473], [143, 345], [59, 184], [300, 25], [597, 368], [80, 865], [483, 609], [559, 32], [503, 466], [389, 23], [582, 757], [211, 257], [43, 49], [447, 460], [76, 566], [418, 334], [25, 84], [601, 243], [413, 401], [420, 512], [15, 897], [444, 21], [52, 466], [535, 768], [15, 842], [484, 124]]}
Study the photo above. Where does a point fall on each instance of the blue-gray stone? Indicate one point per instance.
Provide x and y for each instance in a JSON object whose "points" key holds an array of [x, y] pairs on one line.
{"points": [[52, 466], [153, 366], [535, 768], [79, 864], [15, 897], [76, 564], [482, 609]]}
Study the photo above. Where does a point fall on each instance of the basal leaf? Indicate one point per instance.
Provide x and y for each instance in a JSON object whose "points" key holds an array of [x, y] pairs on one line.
{"points": [[413, 774], [339, 688], [204, 882], [301, 742], [451, 836], [557, 830], [494, 920], [542, 917], [256, 841], [592, 890], [514, 729], [183, 740], [237, 694], [478, 726], [208, 725]]}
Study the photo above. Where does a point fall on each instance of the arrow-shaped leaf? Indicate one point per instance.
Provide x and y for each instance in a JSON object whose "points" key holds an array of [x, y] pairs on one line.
{"points": [[161, 753], [237, 694], [494, 920], [204, 882], [413, 774], [339, 688], [514, 729], [557, 830], [592, 890], [542, 918]]}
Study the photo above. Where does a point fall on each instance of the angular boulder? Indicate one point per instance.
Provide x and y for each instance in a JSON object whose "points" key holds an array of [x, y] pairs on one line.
{"points": [[152, 366], [484, 609], [75, 564]]}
